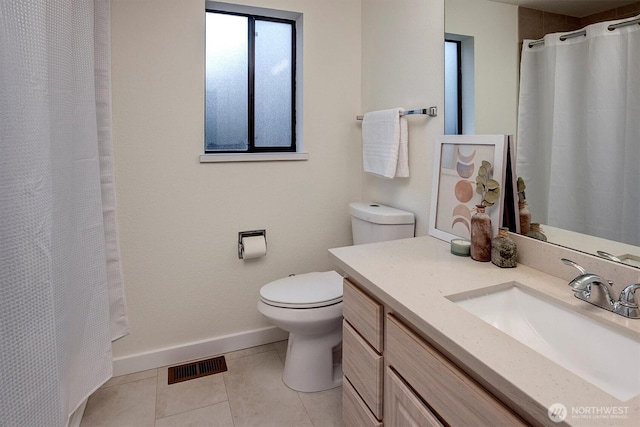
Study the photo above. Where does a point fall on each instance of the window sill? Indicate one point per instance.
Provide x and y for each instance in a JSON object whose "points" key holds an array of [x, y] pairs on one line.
{"points": [[253, 157]]}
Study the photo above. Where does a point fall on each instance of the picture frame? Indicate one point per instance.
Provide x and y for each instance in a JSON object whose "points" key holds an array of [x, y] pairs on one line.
{"points": [[456, 163]]}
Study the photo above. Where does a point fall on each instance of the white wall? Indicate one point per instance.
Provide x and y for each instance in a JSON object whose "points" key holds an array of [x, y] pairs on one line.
{"points": [[178, 218], [403, 66], [494, 27]]}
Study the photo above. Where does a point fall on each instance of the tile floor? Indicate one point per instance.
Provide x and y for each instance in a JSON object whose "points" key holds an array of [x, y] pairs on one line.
{"points": [[249, 393]]}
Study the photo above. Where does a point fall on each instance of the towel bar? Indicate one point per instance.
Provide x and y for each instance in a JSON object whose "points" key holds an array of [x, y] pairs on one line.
{"points": [[431, 112]]}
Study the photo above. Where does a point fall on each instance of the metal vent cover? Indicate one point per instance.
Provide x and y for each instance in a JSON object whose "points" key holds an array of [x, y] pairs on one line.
{"points": [[201, 368]]}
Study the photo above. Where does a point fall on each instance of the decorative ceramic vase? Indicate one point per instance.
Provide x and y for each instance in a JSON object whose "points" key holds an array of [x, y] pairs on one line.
{"points": [[525, 218], [504, 252], [480, 235], [536, 232]]}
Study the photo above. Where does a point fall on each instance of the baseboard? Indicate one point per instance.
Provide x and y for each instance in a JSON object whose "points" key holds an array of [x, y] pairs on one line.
{"points": [[196, 350]]}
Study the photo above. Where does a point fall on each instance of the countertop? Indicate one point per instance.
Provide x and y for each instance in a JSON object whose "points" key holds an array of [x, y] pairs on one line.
{"points": [[414, 276]]}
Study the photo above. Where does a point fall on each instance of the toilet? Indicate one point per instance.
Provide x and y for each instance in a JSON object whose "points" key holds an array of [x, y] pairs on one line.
{"points": [[309, 306]]}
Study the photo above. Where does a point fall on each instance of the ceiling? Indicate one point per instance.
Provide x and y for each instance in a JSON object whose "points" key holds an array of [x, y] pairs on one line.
{"points": [[577, 8]]}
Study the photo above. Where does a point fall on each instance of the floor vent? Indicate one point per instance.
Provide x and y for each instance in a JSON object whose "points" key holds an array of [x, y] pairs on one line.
{"points": [[201, 368]]}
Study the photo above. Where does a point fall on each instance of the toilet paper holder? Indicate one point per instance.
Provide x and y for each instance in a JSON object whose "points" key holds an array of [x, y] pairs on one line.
{"points": [[243, 234]]}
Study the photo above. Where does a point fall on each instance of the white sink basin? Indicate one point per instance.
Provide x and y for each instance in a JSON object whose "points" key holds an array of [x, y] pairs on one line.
{"points": [[597, 353]]}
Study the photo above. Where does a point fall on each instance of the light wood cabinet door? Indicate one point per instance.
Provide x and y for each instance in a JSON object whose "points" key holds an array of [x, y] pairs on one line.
{"points": [[402, 408], [363, 313], [354, 412], [451, 393], [363, 366]]}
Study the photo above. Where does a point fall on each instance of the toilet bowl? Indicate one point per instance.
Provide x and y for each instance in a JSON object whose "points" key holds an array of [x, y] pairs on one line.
{"points": [[309, 307]]}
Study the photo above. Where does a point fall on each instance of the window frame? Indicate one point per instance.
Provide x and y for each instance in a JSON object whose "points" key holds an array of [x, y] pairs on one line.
{"points": [[251, 146]]}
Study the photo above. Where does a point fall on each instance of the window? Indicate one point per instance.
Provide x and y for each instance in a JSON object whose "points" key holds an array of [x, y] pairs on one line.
{"points": [[459, 84], [250, 95], [453, 87]]}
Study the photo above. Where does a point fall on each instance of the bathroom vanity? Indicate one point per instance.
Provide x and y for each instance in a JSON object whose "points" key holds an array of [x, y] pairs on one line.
{"points": [[410, 353]]}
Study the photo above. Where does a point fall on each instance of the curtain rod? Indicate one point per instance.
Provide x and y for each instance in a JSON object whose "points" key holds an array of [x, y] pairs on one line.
{"points": [[584, 32]]}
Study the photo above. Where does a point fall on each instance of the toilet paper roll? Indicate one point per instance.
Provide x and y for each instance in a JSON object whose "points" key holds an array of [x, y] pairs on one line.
{"points": [[254, 247]]}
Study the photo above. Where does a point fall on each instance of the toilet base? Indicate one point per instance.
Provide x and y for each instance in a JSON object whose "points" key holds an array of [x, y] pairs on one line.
{"points": [[304, 351]]}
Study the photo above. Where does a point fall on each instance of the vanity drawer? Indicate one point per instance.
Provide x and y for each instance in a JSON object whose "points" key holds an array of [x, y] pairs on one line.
{"points": [[363, 366], [354, 411], [402, 407], [363, 313], [453, 395]]}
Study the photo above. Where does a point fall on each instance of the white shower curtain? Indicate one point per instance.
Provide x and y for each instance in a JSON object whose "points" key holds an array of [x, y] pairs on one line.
{"points": [[61, 295], [579, 131]]}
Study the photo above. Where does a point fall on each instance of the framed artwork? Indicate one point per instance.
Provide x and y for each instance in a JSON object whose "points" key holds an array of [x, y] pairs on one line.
{"points": [[456, 164]]}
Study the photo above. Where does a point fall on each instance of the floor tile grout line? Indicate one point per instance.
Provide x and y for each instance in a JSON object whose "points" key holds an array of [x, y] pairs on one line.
{"points": [[306, 410], [104, 386], [193, 409], [155, 403], [226, 392]]}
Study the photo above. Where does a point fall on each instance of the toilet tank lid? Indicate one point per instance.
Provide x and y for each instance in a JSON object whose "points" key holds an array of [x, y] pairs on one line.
{"points": [[380, 214], [308, 288]]}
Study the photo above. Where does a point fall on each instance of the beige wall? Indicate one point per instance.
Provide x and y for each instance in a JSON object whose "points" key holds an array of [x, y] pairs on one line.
{"points": [[178, 218], [402, 66], [494, 27]]}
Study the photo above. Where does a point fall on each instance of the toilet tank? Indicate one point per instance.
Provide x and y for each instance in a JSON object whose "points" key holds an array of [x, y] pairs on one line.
{"points": [[373, 222]]}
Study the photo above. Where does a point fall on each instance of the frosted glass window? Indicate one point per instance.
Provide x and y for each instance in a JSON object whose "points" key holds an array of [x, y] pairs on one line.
{"points": [[250, 90], [452, 107], [459, 83], [273, 84], [227, 89]]}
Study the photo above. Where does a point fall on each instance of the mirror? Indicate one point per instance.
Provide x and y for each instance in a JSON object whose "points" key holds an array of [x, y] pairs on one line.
{"points": [[492, 27]]}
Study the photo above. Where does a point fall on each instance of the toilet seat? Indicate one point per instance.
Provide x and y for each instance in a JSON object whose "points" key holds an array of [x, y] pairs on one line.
{"points": [[310, 290]]}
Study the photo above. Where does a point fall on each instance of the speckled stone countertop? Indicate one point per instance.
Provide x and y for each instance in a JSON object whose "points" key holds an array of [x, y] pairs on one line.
{"points": [[413, 277]]}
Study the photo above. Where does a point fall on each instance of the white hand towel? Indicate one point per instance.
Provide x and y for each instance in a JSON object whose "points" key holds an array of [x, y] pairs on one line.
{"points": [[385, 143]]}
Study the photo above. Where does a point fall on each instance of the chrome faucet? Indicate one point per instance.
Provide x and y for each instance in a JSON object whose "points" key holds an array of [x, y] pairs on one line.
{"points": [[627, 304], [581, 285]]}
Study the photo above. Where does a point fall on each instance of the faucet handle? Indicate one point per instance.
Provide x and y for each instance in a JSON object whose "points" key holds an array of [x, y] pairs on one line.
{"points": [[608, 256], [627, 306], [569, 262], [628, 296]]}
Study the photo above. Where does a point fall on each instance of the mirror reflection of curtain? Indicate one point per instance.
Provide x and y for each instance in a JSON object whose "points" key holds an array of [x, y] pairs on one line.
{"points": [[579, 131], [61, 295]]}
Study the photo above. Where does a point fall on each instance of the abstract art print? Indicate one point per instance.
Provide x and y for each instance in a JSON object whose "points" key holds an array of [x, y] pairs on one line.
{"points": [[456, 164]]}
